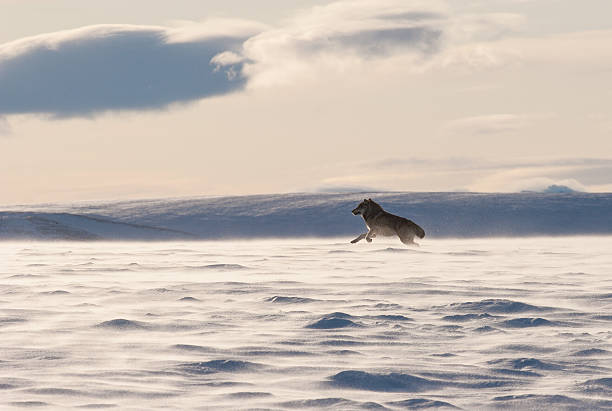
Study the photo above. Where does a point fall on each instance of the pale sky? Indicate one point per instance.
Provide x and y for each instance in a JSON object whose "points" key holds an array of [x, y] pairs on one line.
{"points": [[117, 100]]}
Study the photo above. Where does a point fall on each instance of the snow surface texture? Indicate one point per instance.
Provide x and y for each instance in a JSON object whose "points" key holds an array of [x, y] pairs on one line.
{"points": [[320, 324], [458, 215]]}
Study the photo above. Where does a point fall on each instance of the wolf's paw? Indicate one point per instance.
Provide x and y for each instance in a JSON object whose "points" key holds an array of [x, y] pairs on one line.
{"points": [[354, 241], [369, 240]]}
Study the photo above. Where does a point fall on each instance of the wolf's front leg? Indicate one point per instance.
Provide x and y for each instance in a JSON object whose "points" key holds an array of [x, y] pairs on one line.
{"points": [[361, 237], [369, 236]]}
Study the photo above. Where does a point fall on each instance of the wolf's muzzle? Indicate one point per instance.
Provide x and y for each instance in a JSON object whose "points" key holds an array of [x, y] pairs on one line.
{"points": [[356, 211]]}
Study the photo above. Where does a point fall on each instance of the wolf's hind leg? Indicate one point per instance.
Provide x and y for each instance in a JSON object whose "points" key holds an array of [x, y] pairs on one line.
{"points": [[409, 240], [361, 237]]}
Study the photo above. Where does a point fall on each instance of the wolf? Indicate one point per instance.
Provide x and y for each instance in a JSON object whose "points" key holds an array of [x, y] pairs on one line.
{"points": [[383, 223]]}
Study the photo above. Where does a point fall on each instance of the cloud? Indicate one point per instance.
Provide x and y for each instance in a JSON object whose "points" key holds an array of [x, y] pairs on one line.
{"points": [[565, 51], [467, 28], [116, 67], [489, 124], [412, 36], [343, 34]]}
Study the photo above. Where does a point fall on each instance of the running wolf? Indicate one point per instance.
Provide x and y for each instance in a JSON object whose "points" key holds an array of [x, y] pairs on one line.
{"points": [[383, 223]]}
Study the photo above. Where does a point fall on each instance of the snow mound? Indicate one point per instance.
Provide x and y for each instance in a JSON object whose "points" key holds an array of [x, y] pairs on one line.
{"points": [[393, 382]]}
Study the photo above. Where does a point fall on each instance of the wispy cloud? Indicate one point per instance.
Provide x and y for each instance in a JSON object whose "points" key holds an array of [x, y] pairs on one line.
{"points": [[566, 51], [489, 124], [342, 34], [495, 124], [467, 28]]}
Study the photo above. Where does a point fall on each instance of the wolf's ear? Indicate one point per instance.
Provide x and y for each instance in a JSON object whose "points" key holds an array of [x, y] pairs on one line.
{"points": [[365, 200], [369, 199]]}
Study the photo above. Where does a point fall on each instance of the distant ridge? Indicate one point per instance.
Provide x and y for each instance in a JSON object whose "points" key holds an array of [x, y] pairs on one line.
{"points": [[554, 188], [311, 215]]}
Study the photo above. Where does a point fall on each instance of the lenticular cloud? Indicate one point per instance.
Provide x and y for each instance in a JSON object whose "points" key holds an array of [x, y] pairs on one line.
{"points": [[114, 67]]}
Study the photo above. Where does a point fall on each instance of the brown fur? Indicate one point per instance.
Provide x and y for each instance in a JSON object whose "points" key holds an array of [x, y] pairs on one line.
{"points": [[380, 222]]}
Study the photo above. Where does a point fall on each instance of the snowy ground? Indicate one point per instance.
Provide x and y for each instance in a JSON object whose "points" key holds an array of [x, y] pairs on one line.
{"points": [[289, 324]]}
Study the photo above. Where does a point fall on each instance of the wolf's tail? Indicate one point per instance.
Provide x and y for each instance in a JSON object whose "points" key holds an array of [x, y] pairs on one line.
{"points": [[419, 231]]}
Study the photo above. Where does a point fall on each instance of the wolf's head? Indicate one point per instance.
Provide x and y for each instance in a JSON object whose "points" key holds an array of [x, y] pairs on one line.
{"points": [[363, 207]]}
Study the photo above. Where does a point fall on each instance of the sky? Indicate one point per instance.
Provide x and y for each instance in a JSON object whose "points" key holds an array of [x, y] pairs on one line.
{"points": [[121, 100]]}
